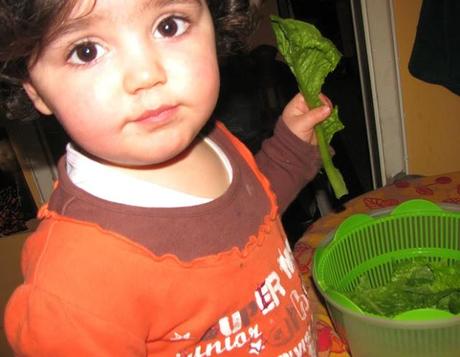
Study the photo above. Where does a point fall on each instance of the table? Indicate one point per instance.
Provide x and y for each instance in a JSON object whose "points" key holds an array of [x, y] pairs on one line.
{"points": [[443, 188]]}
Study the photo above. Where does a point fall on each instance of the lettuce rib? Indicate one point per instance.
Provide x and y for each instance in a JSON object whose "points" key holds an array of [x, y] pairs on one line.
{"points": [[311, 57]]}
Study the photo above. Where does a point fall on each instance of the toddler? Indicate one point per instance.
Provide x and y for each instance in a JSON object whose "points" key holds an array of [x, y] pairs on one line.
{"points": [[162, 236]]}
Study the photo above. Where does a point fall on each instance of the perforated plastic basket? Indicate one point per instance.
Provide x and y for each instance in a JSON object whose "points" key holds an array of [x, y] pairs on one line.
{"points": [[371, 245]]}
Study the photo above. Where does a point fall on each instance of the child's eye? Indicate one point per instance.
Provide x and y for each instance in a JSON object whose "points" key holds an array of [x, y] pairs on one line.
{"points": [[171, 26], [85, 52]]}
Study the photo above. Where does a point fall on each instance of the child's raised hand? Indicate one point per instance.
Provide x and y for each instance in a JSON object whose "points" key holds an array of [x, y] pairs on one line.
{"points": [[301, 120]]}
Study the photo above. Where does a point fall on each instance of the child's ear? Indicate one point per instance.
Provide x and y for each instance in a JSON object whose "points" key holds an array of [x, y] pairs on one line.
{"points": [[36, 99]]}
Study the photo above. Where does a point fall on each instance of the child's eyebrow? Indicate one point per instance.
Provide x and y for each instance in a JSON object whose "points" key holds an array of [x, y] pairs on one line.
{"points": [[162, 3], [84, 21]]}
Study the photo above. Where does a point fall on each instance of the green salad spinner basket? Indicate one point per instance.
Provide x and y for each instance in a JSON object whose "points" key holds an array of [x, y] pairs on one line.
{"points": [[371, 246]]}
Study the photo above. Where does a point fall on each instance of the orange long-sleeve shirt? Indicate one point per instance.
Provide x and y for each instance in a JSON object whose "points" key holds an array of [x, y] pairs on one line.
{"points": [[91, 291]]}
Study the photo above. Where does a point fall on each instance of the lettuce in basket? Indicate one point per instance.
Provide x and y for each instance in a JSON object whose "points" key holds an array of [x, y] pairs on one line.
{"points": [[311, 57], [414, 284]]}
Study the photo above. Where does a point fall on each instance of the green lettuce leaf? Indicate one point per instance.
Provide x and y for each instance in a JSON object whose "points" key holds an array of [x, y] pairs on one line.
{"points": [[311, 57], [414, 284]]}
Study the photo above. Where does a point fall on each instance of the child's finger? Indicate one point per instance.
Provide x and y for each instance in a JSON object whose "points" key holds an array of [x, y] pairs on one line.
{"points": [[298, 103], [301, 105], [325, 100], [319, 114]]}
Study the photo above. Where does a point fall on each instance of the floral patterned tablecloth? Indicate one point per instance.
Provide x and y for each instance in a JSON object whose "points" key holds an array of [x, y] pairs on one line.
{"points": [[440, 189]]}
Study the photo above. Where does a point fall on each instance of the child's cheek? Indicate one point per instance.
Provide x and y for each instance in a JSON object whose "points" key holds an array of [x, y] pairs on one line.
{"points": [[207, 75]]}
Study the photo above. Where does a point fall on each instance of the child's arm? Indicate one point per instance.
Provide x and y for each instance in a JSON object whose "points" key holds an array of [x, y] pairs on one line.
{"points": [[40, 318], [40, 324], [290, 158]]}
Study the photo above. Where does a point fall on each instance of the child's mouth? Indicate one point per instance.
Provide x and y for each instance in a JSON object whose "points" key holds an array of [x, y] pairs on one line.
{"points": [[159, 116]]}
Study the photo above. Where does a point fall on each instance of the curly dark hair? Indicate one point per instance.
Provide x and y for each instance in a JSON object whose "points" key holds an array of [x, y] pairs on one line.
{"points": [[27, 26]]}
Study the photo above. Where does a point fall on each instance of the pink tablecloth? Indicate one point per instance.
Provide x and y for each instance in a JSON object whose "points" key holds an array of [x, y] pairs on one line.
{"points": [[439, 188]]}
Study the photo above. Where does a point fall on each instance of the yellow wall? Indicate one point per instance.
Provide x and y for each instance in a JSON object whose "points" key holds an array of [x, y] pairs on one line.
{"points": [[432, 113]]}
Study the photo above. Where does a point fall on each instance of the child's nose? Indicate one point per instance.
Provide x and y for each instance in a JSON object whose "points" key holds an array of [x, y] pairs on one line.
{"points": [[143, 71]]}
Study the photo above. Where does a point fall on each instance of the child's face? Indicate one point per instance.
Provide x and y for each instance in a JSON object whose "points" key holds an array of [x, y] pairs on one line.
{"points": [[131, 81]]}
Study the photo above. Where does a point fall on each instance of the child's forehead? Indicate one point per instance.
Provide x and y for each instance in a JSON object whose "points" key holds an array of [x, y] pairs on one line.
{"points": [[86, 7]]}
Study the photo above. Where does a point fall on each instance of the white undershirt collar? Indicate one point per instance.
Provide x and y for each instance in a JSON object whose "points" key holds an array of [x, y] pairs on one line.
{"points": [[110, 184]]}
